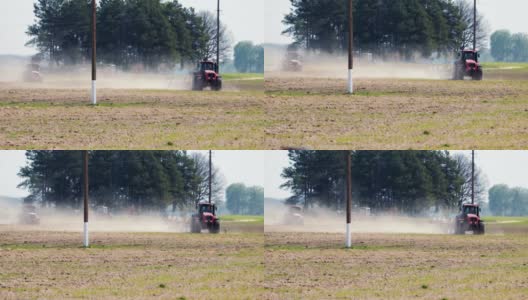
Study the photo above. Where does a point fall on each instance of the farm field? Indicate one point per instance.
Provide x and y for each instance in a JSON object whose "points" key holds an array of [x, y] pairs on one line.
{"points": [[56, 116], [306, 265], [305, 111], [314, 111], [134, 265]]}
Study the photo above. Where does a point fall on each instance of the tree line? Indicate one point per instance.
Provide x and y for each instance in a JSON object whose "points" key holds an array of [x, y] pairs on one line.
{"points": [[506, 201], [244, 200], [249, 58], [153, 33], [385, 27], [143, 180], [406, 181], [508, 47]]}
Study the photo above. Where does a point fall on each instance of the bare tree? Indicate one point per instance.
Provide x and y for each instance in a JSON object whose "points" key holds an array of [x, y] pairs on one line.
{"points": [[483, 28], [201, 188], [464, 166], [209, 50]]}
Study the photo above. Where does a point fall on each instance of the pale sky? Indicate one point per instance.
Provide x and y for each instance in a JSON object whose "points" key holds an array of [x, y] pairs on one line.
{"points": [[244, 19], [263, 168], [503, 14]]}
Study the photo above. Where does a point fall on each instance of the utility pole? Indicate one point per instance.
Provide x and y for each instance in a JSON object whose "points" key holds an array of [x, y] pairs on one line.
{"points": [[94, 52], [85, 194], [348, 160], [475, 25], [350, 46], [210, 176], [472, 176], [218, 36]]}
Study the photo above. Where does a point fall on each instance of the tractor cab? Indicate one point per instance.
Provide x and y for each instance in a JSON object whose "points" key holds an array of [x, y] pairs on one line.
{"points": [[207, 208], [472, 209], [208, 66], [469, 55]]}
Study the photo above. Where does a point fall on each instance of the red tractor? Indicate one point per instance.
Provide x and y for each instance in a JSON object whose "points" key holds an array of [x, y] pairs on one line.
{"points": [[467, 65], [207, 76], [469, 220], [205, 218]]}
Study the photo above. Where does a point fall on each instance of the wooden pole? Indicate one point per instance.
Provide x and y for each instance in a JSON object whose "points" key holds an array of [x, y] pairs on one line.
{"points": [[348, 160], [85, 194], [210, 176], [350, 46], [218, 35], [475, 25], [473, 177], [94, 52]]}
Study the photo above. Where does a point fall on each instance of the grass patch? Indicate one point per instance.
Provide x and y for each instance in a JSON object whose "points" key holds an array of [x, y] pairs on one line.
{"points": [[505, 66], [245, 219], [507, 221], [244, 76]]}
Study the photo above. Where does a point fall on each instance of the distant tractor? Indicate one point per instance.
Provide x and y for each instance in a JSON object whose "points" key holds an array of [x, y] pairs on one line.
{"points": [[292, 62], [294, 216], [29, 215], [469, 220], [467, 65], [205, 218], [206, 76], [32, 73]]}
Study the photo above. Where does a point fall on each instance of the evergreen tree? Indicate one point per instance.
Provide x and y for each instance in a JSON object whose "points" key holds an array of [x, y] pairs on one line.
{"points": [[118, 179], [383, 27], [409, 181]]}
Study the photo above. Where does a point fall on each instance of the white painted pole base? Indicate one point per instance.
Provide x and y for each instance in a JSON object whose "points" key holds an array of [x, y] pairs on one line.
{"points": [[350, 82], [86, 240], [348, 236], [94, 92]]}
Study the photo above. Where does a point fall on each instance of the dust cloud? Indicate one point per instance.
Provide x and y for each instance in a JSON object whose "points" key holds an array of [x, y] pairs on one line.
{"points": [[323, 65], [73, 220], [12, 74], [320, 220]]}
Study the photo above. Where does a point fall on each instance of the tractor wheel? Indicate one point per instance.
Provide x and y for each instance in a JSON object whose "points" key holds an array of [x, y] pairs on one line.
{"points": [[218, 86], [481, 229], [215, 228], [459, 74], [196, 227], [477, 76], [458, 229], [197, 84]]}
